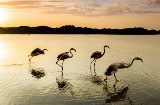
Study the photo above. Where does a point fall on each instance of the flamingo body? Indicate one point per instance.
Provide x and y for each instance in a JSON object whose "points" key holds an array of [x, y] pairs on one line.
{"points": [[64, 56], [96, 55], [36, 52], [112, 69]]}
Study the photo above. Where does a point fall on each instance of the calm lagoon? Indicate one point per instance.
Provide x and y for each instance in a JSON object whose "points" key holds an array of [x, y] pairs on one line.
{"points": [[20, 85]]}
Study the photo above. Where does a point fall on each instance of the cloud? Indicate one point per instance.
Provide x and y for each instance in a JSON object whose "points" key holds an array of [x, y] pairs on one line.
{"points": [[156, 2], [92, 10], [120, 9], [27, 3], [83, 7], [92, 4], [117, 10], [20, 4]]}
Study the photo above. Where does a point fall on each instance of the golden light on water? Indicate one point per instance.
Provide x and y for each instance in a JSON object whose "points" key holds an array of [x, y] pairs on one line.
{"points": [[3, 50], [3, 15]]}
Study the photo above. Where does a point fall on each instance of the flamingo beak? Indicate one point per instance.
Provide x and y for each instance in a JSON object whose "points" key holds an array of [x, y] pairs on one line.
{"points": [[107, 46]]}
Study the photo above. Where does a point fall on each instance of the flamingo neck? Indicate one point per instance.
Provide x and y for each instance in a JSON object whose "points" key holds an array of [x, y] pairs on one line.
{"points": [[130, 64], [71, 54], [103, 52]]}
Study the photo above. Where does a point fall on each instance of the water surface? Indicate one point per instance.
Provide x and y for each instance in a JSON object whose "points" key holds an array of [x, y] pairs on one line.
{"points": [[42, 82]]}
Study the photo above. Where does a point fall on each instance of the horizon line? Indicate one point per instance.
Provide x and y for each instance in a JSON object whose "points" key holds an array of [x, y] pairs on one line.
{"points": [[77, 26]]}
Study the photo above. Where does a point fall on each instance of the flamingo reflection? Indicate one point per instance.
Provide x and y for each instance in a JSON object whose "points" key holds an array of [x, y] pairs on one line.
{"points": [[63, 84], [37, 72], [118, 94], [61, 81], [96, 79]]}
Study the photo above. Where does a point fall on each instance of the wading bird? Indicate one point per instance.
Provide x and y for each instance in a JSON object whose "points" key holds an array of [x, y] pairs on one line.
{"points": [[96, 55], [36, 52], [64, 56], [112, 69]]}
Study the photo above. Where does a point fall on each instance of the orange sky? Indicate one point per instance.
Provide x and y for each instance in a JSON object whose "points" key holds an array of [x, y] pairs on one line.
{"points": [[81, 13]]}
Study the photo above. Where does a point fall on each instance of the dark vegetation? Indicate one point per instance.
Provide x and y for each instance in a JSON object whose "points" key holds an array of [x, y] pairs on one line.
{"points": [[71, 29]]}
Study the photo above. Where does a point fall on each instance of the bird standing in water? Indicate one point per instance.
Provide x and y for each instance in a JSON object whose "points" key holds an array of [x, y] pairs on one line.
{"points": [[64, 56], [112, 69], [96, 55], [36, 52]]}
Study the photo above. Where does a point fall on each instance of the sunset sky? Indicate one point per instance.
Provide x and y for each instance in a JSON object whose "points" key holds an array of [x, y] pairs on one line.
{"points": [[81, 13]]}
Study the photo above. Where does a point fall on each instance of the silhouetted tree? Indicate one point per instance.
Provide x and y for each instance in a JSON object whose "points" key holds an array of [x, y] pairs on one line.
{"points": [[71, 29]]}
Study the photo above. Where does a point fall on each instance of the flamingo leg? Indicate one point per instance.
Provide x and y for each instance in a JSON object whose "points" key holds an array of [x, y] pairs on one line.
{"points": [[91, 63], [106, 88], [94, 65], [30, 58], [62, 74], [115, 86], [115, 74], [115, 77], [105, 79], [95, 73], [58, 63], [62, 65]]}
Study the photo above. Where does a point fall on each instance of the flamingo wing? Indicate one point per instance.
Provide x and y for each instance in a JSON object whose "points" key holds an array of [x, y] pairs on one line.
{"points": [[35, 52], [62, 54], [40, 51], [37, 49], [120, 65], [109, 70], [96, 54]]}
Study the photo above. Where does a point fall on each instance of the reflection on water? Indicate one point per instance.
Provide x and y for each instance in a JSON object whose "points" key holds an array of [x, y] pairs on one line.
{"points": [[63, 84], [36, 72], [16, 64], [3, 50], [41, 83], [119, 93], [96, 79]]}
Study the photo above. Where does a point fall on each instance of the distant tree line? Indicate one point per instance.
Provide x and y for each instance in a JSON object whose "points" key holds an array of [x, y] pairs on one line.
{"points": [[71, 29]]}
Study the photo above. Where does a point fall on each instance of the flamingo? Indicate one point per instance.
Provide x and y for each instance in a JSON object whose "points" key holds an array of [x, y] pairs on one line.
{"points": [[36, 52], [112, 69], [96, 55], [64, 56]]}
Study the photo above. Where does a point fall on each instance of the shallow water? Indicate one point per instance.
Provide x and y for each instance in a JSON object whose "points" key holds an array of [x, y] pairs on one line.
{"points": [[42, 82]]}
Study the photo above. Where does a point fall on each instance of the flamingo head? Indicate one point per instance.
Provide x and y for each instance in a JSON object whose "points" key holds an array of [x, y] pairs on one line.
{"points": [[106, 46], [45, 49], [138, 58], [73, 49]]}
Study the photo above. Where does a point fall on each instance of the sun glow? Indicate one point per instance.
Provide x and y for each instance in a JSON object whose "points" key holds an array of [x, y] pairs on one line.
{"points": [[3, 15]]}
